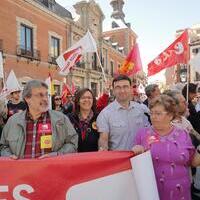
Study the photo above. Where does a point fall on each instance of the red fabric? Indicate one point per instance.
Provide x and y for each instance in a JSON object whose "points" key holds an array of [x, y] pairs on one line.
{"points": [[78, 59], [102, 102], [133, 63], [29, 137], [83, 135], [49, 75], [176, 53], [51, 178], [65, 92], [69, 53], [71, 58], [84, 125], [135, 91]]}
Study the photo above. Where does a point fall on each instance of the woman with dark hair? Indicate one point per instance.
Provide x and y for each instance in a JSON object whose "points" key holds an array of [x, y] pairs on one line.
{"points": [[57, 103], [84, 120], [171, 148]]}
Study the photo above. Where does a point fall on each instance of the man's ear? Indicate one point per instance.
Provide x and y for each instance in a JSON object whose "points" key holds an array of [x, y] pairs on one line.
{"points": [[27, 100]]}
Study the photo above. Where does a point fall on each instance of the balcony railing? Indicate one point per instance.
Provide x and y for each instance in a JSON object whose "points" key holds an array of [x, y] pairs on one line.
{"points": [[80, 65], [99, 69], [1, 45], [30, 54], [94, 67], [112, 73], [106, 71], [52, 59]]}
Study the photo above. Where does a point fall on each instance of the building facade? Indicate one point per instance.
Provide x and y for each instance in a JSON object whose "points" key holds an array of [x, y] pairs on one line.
{"points": [[194, 49], [33, 33]]}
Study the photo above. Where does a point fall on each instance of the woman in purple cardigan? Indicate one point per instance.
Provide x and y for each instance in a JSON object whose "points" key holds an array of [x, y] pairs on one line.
{"points": [[171, 148]]}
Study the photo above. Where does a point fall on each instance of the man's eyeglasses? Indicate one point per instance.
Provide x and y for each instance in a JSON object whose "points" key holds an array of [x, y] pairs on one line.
{"points": [[41, 95]]}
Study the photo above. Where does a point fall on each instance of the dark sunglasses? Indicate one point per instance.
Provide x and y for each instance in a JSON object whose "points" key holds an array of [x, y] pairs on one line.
{"points": [[56, 99]]}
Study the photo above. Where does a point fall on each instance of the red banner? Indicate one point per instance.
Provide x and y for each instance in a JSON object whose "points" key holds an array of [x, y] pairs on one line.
{"points": [[176, 53], [52, 178]]}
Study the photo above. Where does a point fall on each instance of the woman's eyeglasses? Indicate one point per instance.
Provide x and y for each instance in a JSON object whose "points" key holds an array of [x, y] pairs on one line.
{"points": [[86, 97], [158, 114]]}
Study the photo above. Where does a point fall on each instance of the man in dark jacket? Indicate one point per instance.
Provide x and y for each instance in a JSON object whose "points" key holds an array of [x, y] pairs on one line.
{"points": [[194, 116]]}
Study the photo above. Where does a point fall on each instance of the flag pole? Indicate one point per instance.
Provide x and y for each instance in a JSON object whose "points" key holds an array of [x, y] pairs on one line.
{"points": [[188, 70], [104, 76], [2, 69], [188, 82], [49, 84]]}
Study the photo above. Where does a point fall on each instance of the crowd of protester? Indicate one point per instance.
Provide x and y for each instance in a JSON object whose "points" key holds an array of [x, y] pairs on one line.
{"points": [[165, 123]]}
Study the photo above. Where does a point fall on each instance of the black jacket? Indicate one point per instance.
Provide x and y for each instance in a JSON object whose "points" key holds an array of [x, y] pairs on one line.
{"points": [[194, 117], [90, 143]]}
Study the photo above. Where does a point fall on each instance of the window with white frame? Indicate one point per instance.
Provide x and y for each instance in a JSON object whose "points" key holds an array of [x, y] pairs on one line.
{"points": [[26, 39], [55, 47]]}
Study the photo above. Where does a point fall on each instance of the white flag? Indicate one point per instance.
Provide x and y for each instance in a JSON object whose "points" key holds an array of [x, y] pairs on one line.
{"points": [[1, 66], [72, 55], [195, 63], [48, 81], [87, 44]]}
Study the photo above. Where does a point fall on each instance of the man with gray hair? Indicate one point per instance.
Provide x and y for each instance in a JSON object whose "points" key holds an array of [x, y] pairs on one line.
{"points": [[151, 91], [37, 132]]}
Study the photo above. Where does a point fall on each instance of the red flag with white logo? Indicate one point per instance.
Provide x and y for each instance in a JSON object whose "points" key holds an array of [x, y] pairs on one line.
{"points": [[176, 53]]}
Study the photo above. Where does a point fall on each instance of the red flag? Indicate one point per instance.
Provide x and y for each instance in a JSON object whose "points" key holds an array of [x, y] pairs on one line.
{"points": [[65, 93], [176, 53], [133, 63]]}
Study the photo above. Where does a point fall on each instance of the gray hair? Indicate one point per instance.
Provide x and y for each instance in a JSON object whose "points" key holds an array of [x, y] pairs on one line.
{"points": [[27, 91], [174, 94], [150, 88]]}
